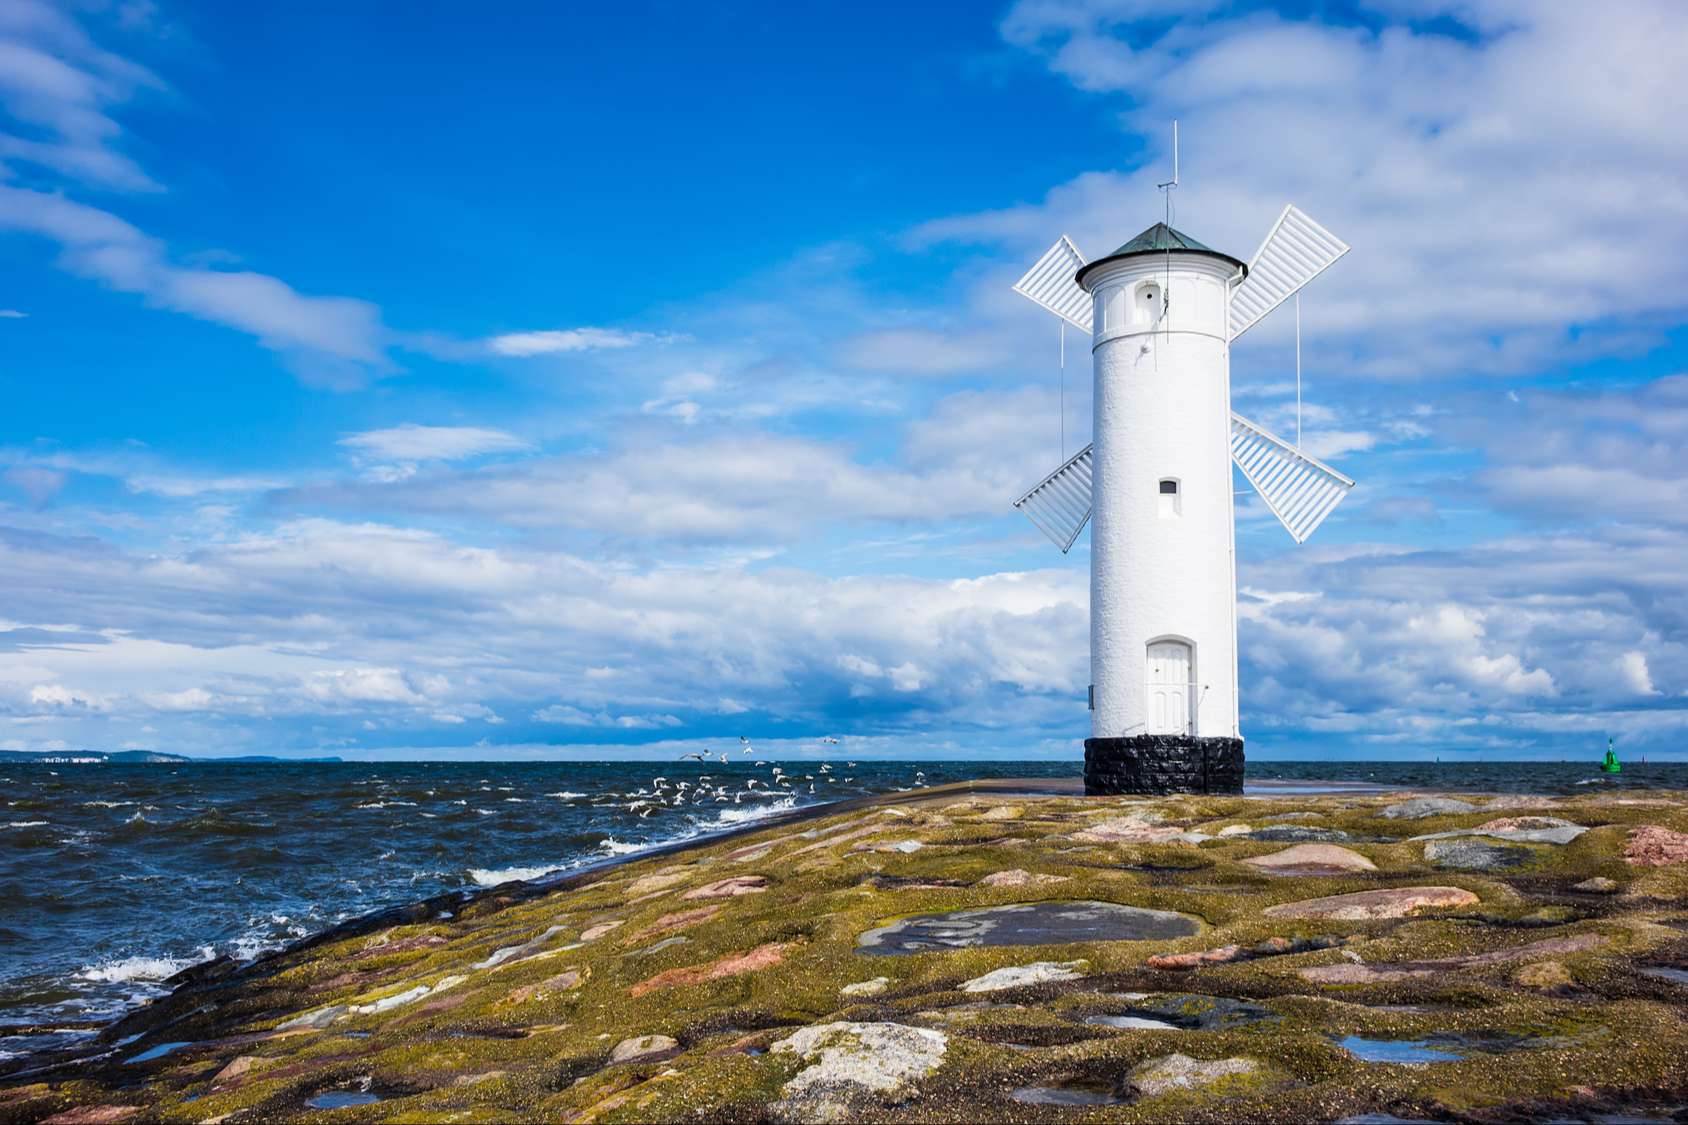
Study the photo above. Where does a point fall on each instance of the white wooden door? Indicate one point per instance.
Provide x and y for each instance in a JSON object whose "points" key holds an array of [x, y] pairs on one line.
{"points": [[1170, 673]]}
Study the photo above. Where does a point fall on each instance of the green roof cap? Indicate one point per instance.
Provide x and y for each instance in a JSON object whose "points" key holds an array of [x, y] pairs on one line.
{"points": [[1159, 239], [1162, 237]]}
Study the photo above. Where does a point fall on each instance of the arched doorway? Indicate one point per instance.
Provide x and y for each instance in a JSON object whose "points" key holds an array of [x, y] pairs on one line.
{"points": [[1171, 687]]}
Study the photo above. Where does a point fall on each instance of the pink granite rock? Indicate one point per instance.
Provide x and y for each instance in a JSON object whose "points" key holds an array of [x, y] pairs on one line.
{"points": [[1652, 846], [1397, 902], [730, 887], [1311, 859]]}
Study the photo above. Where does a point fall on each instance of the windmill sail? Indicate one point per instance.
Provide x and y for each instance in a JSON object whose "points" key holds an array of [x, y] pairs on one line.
{"points": [[1300, 490], [1060, 505], [1050, 283], [1295, 252]]}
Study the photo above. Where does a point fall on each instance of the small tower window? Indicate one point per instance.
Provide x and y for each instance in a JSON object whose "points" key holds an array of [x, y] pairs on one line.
{"points": [[1171, 500], [1150, 302]]}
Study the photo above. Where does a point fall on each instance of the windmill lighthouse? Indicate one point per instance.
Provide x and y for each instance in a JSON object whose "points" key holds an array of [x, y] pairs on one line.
{"points": [[1162, 312]]}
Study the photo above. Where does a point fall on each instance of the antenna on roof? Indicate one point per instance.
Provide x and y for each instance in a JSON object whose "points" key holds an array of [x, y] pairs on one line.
{"points": [[1167, 185]]}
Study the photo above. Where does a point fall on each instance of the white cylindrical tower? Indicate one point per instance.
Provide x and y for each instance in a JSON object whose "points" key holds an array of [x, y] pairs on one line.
{"points": [[1163, 641]]}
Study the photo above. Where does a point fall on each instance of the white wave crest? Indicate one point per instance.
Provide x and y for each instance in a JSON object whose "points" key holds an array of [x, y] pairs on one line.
{"points": [[26, 824], [142, 968], [566, 795], [491, 877]]}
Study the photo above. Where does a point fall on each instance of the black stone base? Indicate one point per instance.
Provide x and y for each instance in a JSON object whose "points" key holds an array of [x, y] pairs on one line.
{"points": [[1163, 763]]}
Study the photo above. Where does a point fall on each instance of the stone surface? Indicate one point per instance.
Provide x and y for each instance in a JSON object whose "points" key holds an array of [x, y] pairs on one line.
{"points": [[730, 887], [1163, 763], [762, 957], [1353, 973], [1653, 846], [593, 933], [1181, 1072], [645, 1048], [1475, 855], [678, 920], [1017, 976], [1127, 830], [1003, 812], [874, 987], [1224, 954], [852, 1066], [92, 1115], [1040, 923], [1599, 885], [1421, 807], [1019, 877], [1289, 833], [1549, 976], [1364, 906], [651, 884], [1518, 829], [1311, 859], [235, 1068]]}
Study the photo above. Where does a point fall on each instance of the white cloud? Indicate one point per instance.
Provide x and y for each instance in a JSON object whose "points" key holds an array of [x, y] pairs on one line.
{"points": [[411, 442], [556, 341], [12, 314], [1633, 666]]}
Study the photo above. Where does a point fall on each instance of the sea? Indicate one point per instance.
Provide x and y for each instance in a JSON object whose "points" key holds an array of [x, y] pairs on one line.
{"points": [[115, 877]]}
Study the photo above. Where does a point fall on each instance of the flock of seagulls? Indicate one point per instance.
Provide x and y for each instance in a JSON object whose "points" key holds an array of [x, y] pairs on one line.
{"points": [[706, 789]]}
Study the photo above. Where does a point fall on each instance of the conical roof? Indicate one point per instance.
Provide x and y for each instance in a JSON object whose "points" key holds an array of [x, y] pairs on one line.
{"points": [[1160, 239]]}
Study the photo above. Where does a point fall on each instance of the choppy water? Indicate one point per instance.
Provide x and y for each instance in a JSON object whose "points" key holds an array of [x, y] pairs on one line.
{"points": [[112, 878]]}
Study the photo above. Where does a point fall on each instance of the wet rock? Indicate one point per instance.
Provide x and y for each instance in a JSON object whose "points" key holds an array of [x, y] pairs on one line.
{"points": [[1365, 906], [762, 957], [645, 1048], [1181, 1072], [512, 953], [1017, 976], [1475, 855], [1019, 877], [1192, 1011], [1312, 859], [730, 887], [678, 920], [874, 987], [1038, 923], [855, 1066], [313, 1021], [1652, 846], [1599, 885], [1421, 807]]}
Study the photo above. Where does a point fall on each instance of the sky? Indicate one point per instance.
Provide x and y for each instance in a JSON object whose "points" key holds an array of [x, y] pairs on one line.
{"points": [[545, 381]]}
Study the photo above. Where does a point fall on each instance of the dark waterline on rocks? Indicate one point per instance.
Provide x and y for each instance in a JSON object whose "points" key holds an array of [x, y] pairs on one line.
{"points": [[112, 878]]}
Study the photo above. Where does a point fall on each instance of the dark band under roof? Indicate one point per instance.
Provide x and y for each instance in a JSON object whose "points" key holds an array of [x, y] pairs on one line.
{"points": [[1159, 239]]}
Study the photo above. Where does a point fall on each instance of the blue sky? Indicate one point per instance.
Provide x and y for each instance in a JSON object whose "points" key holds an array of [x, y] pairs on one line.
{"points": [[554, 381]]}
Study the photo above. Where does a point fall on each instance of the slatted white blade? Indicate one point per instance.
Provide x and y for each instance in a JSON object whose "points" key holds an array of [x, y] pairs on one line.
{"points": [[1301, 490], [1295, 252], [1060, 505], [1050, 283]]}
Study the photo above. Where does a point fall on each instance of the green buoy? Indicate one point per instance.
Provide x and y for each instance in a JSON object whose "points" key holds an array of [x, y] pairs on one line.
{"points": [[1611, 764]]}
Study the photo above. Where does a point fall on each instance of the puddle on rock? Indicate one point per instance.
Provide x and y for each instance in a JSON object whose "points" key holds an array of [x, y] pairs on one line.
{"points": [[1070, 1093], [1133, 1023], [1038, 923], [1398, 1050], [157, 1052], [341, 1099], [1657, 972]]}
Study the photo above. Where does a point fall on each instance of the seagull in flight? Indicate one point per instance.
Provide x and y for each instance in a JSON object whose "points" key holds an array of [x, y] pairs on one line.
{"points": [[694, 757]]}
